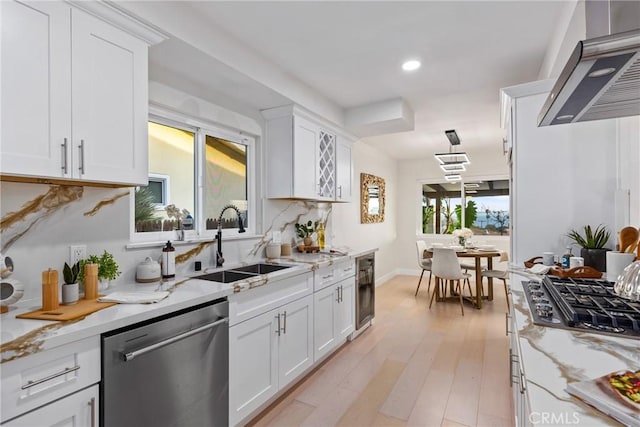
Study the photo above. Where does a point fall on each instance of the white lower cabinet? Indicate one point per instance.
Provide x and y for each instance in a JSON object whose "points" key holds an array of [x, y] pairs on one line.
{"points": [[334, 316], [266, 353], [78, 410], [518, 380], [46, 378]]}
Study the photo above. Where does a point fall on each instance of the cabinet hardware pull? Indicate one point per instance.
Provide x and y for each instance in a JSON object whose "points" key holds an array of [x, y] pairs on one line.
{"points": [[338, 293], [81, 149], [340, 191], [278, 330], [30, 383], [341, 293], [65, 168], [285, 323], [127, 357], [347, 269], [327, 277], [523, 388], [92, 404]]}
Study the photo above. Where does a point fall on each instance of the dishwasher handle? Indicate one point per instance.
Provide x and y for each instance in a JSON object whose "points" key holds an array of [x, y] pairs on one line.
{"points": [[127, 357]]}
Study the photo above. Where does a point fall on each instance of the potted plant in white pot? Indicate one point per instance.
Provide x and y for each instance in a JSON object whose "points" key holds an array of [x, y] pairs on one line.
{"points": [[592, 244], [70, 275]]}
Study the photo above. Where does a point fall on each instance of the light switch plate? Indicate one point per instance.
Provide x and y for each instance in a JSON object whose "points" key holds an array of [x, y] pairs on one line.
{"points": [[276, 236]]}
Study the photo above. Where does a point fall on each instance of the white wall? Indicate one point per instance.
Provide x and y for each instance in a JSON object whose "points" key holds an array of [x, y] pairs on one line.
{"points": [[345, 226], [570, 29]]}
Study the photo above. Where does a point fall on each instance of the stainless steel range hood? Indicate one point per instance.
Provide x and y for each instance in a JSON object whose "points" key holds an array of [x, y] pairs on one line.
{"points": [[601, 80]]}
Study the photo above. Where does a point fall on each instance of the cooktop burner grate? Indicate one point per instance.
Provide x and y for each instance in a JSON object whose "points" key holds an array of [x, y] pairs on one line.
{"points": [[588, 304]]}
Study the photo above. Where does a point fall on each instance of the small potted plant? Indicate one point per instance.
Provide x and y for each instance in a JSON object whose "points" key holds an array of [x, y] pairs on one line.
{"points": [[107, 268], [305, 231], [70, 275], [592, 244]]}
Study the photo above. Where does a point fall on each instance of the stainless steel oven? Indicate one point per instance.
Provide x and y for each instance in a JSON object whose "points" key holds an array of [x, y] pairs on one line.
{"points": [[169, 371], [365, 290]]}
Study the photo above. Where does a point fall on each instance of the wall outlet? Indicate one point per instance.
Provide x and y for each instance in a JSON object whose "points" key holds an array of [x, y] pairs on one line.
{"points": [[77, 253]]}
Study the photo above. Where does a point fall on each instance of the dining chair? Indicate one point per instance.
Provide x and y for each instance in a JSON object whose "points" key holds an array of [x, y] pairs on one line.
{"points": [[499, 274], [423, 263], [445, 267]]}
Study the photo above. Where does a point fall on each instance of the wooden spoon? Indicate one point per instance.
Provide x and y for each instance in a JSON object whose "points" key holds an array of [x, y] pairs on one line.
{"points": [[627, 237]]}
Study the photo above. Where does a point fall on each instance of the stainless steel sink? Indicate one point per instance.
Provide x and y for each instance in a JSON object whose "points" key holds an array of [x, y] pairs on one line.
{"points": [[241, 273], [261, 268], [226, 276]]}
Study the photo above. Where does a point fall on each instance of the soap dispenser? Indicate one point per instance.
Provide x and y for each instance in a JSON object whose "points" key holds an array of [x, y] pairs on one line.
{"points": [[168, 261]]}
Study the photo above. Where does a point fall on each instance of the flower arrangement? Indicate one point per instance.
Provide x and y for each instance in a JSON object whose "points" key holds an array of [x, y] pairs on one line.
{"points": [[463, 234]]}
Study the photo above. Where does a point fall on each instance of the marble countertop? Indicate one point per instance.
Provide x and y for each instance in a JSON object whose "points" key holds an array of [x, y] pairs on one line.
{"points": [[21, 337], [553, 358]]}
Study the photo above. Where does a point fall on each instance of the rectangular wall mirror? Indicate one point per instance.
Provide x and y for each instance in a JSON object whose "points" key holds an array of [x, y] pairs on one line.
{"points": [[371, 199]]}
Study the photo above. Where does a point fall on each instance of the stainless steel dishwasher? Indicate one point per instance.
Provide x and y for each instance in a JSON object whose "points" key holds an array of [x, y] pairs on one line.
{"points": [[169, 371]]}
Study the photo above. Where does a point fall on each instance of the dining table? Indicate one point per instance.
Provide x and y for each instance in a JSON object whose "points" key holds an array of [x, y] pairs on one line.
{"points": [[477, 255]]}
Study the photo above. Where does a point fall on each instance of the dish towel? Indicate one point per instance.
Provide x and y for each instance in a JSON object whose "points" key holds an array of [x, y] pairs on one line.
{"points": [[134, 297]]}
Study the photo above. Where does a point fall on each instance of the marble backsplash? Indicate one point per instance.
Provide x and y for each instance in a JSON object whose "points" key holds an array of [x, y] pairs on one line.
{"points": [[39, 222]]}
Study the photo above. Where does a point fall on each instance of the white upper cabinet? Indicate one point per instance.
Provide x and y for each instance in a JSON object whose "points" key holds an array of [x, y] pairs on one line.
{"points": [[306, 157], [74, 98], [344, 170], [109, 102], [36, 88]]}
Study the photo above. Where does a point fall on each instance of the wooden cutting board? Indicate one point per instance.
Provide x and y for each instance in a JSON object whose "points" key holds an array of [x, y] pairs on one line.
{"points": [[68, 312]]}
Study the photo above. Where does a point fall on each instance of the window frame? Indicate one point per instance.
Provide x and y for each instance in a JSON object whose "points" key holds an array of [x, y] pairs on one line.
{"points": [[418, 200], [165, 180], [201, 128]]}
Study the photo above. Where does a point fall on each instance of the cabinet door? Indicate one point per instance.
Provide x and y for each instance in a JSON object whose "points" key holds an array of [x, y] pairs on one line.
{"points": [[79, 409], [296, 339], [109, 106], [253, 364], [36, 88], [344, 171], [324, 325], [345, 312], [326, 165], [306, 136]]}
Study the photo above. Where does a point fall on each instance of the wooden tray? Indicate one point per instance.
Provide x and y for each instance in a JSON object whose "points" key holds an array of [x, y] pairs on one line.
{"points": [[583, 272], [538, 260], [68, 312], [308, 249]]}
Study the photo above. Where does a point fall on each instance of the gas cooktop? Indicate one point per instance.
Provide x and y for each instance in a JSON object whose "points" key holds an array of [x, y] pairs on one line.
{"points": [[583, 304]]}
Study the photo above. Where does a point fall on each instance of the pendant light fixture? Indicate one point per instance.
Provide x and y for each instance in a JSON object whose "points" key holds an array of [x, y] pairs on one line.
{"points": [[452, 163]]}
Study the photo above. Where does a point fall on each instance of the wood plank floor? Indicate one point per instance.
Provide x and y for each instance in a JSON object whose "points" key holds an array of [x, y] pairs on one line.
{"points": [[413, 367]]}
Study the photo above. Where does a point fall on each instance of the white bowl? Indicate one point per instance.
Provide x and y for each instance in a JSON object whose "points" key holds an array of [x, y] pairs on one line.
{"points": [[486, 247]]}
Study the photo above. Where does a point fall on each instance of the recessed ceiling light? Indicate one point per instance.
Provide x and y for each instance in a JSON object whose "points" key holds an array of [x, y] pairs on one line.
{"points": [[411, 65]]}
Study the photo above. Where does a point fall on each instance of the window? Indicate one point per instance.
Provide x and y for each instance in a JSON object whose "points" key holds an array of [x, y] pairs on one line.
{"points": [[225, 181], [486, 207], [159, 190], [193, 171]]}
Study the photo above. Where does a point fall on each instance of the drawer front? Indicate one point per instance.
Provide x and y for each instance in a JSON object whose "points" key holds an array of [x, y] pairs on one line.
{"points": [[80, 409], [35, 380], [344, 270], [251, 303], [331, 274]]}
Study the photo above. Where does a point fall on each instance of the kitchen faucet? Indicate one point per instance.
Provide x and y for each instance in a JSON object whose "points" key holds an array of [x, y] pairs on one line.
{"points": [[219, 258]]}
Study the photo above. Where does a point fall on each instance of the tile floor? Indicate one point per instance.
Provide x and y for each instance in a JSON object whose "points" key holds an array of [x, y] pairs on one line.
{"points": [[413, 367]]}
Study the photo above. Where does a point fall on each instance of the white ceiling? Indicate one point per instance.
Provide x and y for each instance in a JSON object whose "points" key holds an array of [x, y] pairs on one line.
{"points": [[350, 53]]}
